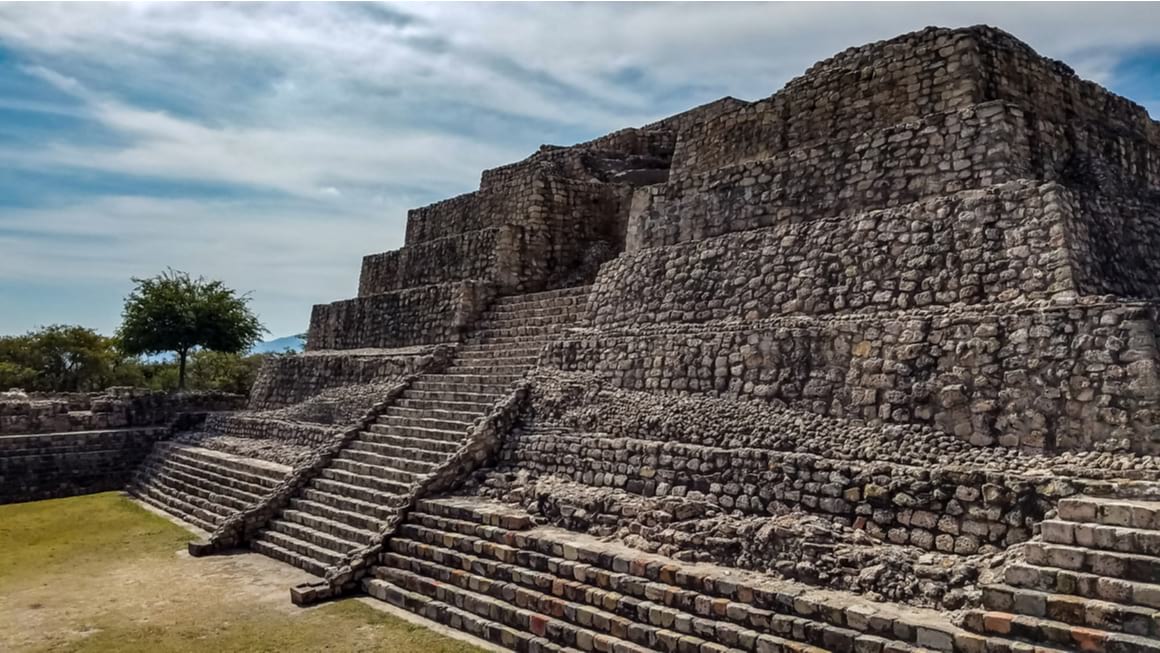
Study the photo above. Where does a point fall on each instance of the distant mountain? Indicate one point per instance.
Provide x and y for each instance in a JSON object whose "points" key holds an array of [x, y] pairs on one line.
{"points": [[278, 345]]}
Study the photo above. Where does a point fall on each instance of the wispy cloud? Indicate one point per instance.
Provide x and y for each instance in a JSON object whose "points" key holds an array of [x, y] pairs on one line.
{"points": [[272, 145]]}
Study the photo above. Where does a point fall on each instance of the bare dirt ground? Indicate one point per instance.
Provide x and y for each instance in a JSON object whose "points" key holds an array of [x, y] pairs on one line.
{"points": [[99, 573]]}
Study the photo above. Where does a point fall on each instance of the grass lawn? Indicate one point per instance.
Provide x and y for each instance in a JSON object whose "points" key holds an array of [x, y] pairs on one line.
{"points": [[99, 573]]}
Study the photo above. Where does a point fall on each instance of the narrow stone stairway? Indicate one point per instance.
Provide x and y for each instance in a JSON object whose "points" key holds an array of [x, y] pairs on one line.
{"points": [[202, 486], [1090, 583], [345, 507]]}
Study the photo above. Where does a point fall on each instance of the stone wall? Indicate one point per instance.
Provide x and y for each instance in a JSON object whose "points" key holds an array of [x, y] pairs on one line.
{"points": [[287, 380], [492, 254], [1033, 376], [111, 409], [415, 316], [972, 247], [34, 467], [939, 154]]}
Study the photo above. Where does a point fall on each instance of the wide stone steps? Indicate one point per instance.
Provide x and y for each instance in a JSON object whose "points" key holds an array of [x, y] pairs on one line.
{"points": [[349, 505], [169, 479], [648, 610], [378, 471], [237, 487], [466, 536], [258, 472], [405, 464], [1099, 536], [464, 409], [448, 435], [1074, 610], [505, 369], [318, 538], [473, 384], [363, 482], [482, 399], [1128, 566], [321, 555], [1038, 631], [357, 521], [393, 451], [460, 619], [530, 621], [1062, 581], [546, 321], [1111, 512], [273, 550], [317, 518], [448, 417], [408, 442], [359, 492], [650, 625], [522, 350], [416, 420], [189, 509]]}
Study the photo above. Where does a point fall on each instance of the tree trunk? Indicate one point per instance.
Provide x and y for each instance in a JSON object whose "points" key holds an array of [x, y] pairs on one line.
{"points": [[181, 369]]}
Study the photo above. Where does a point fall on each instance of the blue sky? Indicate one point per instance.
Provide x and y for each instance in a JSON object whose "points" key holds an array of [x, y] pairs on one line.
{"points": [[272, 146]]}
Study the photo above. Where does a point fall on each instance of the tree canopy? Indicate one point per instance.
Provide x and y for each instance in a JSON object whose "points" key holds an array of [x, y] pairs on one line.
{"points": [[63, 358], [174, 312]]}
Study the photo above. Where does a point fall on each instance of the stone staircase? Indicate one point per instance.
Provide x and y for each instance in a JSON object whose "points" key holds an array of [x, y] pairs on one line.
{"points": [[346, 506], [202, 486], [480, 567], [1090, 583]]}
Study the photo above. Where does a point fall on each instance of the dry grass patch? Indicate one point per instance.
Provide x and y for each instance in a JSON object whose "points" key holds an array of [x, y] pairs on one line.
{"points": [[99, 573]]}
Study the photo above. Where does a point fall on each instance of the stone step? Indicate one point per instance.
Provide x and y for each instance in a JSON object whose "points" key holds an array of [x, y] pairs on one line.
{"points": [[923, 628], [460, 418], [259, 472], [483, 399], [323, 556], [543, 295], [1143, 569], [405, 464], [177, 506], [546, 323], [529, 621], [305, 563], [518, 370], [378, 471], [608, 609], [161, 487], [359, 492], [354, 521], [460, 409], [1144, 515], [406, 442], [496, 388], [489, 351], [446, 435], [1075, 610], [413, 420], [363, 481], [637, 631], [1048, 632], [388, 451], [321, 539], [479, 380], [462, 620], [176, 480], [1063, 581], [336, 529], [237, 486], [349, 505], [1099, 536]]}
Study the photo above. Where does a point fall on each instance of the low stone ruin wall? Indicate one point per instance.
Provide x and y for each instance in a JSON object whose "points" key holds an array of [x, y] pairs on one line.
{"points": [[1040, 377], [288, 380], [416, 316], [112, 409], [492, 254], [34, 467]]}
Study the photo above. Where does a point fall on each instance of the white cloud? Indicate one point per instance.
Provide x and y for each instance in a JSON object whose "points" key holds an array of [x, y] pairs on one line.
{"points": [[354, 113]]}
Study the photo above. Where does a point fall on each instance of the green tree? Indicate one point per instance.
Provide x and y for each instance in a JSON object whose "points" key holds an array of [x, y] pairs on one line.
{"points": [[173, 312], [212, 370], [58, 358]]}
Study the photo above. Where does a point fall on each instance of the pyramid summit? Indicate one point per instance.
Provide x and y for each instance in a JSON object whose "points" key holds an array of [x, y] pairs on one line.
{"points": [[869, 364]]}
